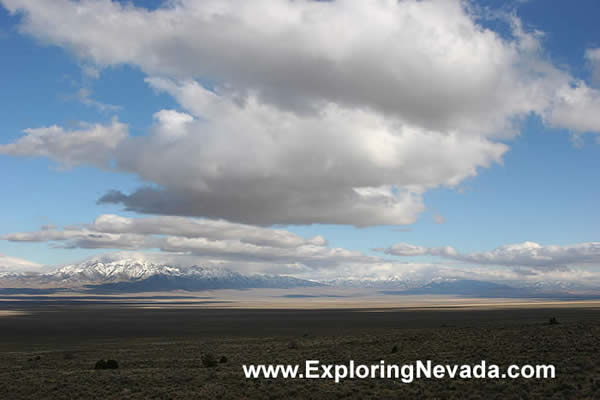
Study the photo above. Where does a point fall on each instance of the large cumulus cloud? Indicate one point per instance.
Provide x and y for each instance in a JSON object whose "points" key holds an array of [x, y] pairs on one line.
{"points": [[299, 112]]}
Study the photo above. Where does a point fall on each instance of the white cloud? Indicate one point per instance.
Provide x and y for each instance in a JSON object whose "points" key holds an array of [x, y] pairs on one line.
{"points": [[526, 254], [254, 163], [84, 95], [405, 249], [592, 55], [219, 240], [257, 164], [318, 112], [401, 57], [92, 144], [14, 264], [427, 61], [209, 229], [576, 108], [438, 218]]}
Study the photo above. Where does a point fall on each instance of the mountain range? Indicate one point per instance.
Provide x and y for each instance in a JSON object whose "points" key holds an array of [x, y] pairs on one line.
{"points": [[132, 275], [128, 275]]}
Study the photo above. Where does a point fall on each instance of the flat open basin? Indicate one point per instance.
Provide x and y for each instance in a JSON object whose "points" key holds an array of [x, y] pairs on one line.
{"points": [[51, 347]]}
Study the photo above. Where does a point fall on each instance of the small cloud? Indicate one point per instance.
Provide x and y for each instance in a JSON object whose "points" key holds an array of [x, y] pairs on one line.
{"points": [[592, 56], [14, 264], [438, 218], [92, 144], [90, 71], [84, 95], [401, 229], [577, 140]]}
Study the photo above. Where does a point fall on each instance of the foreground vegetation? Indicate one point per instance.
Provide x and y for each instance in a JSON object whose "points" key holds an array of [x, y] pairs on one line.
{"points": [[209, 365]]}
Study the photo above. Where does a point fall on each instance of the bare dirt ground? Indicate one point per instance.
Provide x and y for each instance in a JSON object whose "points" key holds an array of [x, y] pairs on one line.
{"points": [[48, 350]]}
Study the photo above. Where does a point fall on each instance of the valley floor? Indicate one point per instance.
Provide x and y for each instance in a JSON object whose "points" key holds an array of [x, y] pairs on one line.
{"points": [[298, 298], [48, 350]]}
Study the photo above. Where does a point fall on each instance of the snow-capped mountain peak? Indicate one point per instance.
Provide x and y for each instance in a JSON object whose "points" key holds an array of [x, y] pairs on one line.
{"points": [[136, 274], [131, 270]]}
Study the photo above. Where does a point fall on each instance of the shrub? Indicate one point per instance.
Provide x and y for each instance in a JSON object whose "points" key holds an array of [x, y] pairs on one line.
{"points": [[553, 321], [106, 364], [395, 348], [293, 345], [223, 360], [208, 360]]}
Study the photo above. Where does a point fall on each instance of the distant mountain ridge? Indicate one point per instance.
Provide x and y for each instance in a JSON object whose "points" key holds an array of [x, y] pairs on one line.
{"points": [[140, 275], [467, 287], [133, 270], [484, 289]]}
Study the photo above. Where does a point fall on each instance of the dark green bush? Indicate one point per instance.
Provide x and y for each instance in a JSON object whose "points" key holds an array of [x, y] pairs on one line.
{"points": [[106, 364], [209, 360]]}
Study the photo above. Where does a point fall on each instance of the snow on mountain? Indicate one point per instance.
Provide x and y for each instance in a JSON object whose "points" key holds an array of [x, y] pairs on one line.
{"points": [[559, 286], [388, 282], [94, 271], [138, 274]]}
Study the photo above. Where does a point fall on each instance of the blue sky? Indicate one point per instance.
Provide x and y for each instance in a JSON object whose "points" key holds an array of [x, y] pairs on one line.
{"points": [[544, 189]]}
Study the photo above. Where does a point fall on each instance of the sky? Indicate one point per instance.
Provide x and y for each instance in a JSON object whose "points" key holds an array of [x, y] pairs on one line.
{"points": [[329, 140]]}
